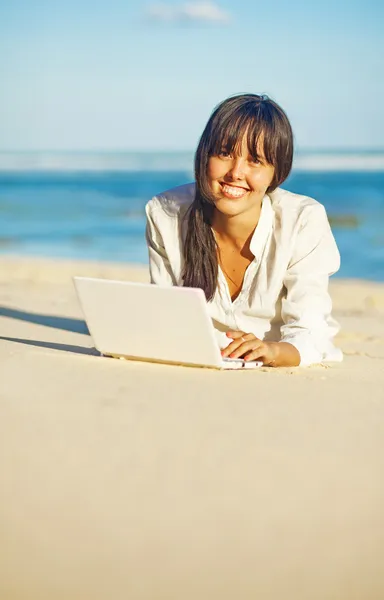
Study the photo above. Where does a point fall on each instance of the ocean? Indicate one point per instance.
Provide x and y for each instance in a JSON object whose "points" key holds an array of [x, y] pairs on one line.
{"points": [[91, 205]]}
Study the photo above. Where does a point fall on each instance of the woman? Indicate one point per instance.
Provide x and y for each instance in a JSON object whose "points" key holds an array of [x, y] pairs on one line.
{"points": [[261, 254]]}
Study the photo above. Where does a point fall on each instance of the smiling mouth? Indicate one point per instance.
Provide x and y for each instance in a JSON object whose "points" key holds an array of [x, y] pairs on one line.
{"points": [[233, 191]]}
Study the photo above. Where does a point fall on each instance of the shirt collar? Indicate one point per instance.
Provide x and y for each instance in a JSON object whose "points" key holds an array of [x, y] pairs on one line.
{"points": [[263, 228]]}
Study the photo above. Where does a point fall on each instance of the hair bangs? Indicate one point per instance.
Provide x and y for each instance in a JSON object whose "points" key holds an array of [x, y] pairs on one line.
{"points": [[256, 140], [271, 136], [253, 122], [228, 131]]}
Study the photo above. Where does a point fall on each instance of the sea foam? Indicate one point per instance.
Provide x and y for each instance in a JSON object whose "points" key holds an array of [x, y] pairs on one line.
{"points": [[174, 161]]}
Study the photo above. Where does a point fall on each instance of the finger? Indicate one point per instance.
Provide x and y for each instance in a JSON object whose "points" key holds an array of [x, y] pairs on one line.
{"points": [[245, 347], [231, 347], [256, 354], [237, 347], [235, 334]]}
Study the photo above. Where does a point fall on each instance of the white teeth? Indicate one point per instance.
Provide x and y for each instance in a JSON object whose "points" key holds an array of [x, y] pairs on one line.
{"points": [[233, 191]]}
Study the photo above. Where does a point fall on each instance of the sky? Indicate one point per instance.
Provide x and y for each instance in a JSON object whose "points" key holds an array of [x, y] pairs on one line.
{"points": [[120, 75]]}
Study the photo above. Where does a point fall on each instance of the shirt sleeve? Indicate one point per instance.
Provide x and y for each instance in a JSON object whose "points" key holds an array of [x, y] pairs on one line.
{"points": [[159, 265], [306, 309]]}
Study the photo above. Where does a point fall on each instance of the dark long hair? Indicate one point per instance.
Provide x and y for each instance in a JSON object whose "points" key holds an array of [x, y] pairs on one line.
{"points": [[243, 114]]}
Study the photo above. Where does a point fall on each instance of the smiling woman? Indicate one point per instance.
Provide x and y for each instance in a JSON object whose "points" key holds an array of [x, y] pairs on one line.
{"points": [[261, 254]]}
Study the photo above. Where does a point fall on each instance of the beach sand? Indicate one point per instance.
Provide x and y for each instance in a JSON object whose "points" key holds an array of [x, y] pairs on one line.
{"points": [[127, 480]]}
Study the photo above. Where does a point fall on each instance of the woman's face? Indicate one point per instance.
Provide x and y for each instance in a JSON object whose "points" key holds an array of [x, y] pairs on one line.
{"points": [[238, 183]]}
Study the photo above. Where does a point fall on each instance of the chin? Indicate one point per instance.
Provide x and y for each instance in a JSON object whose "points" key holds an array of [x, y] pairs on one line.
{"points": [[230, 207]]}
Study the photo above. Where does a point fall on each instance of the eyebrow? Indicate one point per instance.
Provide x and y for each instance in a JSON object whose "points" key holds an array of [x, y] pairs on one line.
{"points": [[259, 157]]}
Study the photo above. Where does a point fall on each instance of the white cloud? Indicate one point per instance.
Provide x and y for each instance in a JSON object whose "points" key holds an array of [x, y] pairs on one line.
{"points": [[200, 11], [161, 12]]}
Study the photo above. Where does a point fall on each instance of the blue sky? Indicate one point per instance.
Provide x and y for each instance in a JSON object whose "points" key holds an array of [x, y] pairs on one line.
{"points": [[146, 75]]}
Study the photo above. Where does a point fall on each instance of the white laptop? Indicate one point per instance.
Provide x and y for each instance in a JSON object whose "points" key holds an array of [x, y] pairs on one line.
{"points": [[142, 321]]}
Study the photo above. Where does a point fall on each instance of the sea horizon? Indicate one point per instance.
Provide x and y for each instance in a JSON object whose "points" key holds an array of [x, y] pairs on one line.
{"points": [[305, 159]]}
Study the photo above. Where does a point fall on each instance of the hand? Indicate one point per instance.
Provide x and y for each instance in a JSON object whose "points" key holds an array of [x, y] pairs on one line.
{"points": [[249, 347]]}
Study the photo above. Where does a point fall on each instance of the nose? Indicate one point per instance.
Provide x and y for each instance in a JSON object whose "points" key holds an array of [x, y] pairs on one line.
{"points": [[237, 170]]}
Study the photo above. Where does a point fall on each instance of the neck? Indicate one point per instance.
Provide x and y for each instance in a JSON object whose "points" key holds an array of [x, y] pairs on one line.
{"points": [[236, 229]]}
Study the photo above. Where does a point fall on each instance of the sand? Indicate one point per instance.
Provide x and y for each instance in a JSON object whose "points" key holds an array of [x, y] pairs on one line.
{"points": [[126, 480]]}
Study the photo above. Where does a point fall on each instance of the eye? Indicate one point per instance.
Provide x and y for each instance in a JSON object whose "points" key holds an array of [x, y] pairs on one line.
{"points": [[224, 154], [255, 162]]}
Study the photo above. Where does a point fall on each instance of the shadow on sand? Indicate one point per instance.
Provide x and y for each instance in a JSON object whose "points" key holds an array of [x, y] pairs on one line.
{"points": [[74, 325], [64, 323], [54, 346]]}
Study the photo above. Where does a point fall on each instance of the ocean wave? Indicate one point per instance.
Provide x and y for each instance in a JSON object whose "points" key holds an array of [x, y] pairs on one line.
{"points": [[171, 161]]}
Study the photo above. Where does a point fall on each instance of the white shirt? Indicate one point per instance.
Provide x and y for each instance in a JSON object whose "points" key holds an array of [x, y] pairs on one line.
{"points": [[284, 296]]}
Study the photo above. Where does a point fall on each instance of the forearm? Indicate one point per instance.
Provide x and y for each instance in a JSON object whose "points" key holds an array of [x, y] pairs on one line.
{"points": [[286, 355]]}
